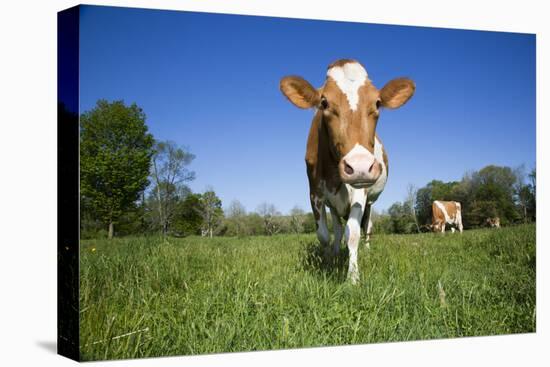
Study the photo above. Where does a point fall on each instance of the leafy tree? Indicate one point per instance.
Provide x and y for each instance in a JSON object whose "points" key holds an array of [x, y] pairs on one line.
{"points": [[479, 210], [401, 218], [115, 156], [443, 190], [134, 220], [254, 224], [502, 177], [188, 219], [235, 219], [495, 184], [170, 173], [171, 195], [211, 212], [423, 204], [269, 214]]}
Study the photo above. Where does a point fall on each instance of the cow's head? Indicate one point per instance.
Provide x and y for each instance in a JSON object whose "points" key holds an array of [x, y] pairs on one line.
{"points": [[348, 105], [493, 222]]}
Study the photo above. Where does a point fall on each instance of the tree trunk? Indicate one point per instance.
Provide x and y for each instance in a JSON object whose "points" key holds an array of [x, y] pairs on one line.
{"points": [[111, 230]]}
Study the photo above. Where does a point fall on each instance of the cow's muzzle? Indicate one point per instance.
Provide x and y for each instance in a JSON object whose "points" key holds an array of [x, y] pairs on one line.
{"points": [[359, 168]]}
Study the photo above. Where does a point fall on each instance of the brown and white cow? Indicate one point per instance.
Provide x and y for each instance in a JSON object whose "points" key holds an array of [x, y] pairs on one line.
{"points": [[347, 165], [493, 222], [446, 212]]}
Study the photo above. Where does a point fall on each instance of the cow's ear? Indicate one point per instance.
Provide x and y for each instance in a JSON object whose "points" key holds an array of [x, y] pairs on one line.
{"points": [[397, 92], [300, 92]]}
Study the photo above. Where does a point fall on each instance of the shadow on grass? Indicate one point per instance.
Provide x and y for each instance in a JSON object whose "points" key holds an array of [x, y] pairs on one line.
{"points": [[316, 259]]}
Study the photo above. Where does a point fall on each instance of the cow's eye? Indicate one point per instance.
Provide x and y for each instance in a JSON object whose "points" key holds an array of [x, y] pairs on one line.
{"points": [[324, 103], [378, 103]]}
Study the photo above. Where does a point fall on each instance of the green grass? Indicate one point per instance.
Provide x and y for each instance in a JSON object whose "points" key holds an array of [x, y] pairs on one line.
{"points": [[199, 295]]}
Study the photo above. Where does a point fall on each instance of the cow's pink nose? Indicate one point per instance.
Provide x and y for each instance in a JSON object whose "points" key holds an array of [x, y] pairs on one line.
{"points": [[361, 171], [374, 166]]}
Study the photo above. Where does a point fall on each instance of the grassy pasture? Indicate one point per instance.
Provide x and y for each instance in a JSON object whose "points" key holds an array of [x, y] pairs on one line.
{"points": [[145, 297]]}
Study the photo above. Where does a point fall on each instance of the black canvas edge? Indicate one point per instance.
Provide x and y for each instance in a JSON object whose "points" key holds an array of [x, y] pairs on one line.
{"points": [[68, 217]]}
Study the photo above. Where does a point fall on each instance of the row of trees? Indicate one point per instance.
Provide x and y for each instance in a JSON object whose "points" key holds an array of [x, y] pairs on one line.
{"points": [[139, 185], [266, 220], [493, 191]]}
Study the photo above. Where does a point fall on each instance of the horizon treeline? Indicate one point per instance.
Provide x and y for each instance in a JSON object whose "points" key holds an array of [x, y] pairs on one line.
{"points": [[133, 184]]}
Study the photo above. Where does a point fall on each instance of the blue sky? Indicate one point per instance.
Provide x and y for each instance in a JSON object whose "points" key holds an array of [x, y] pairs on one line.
{"points": [[210, 82]]}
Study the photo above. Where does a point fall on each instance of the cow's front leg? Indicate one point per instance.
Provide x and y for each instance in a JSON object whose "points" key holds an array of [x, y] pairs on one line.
{"points": [[367, 225], [353, 232], [338, 232], [320, 215]]}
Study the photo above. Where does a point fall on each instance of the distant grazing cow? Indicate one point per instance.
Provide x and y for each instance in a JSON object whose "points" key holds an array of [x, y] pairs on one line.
{"points": [[347, 165], [446, 212], [493, 222]]}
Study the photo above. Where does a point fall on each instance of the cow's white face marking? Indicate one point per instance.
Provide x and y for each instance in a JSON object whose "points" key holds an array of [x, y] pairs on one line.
{"points": [[360, 150], [349, 78]]}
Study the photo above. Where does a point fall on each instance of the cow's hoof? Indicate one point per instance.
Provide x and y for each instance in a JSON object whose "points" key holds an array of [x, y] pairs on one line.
{"points": [[367, 245]]}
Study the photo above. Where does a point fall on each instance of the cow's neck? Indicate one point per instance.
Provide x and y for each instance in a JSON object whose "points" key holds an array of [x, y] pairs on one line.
{"points": [[321, 165]]}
